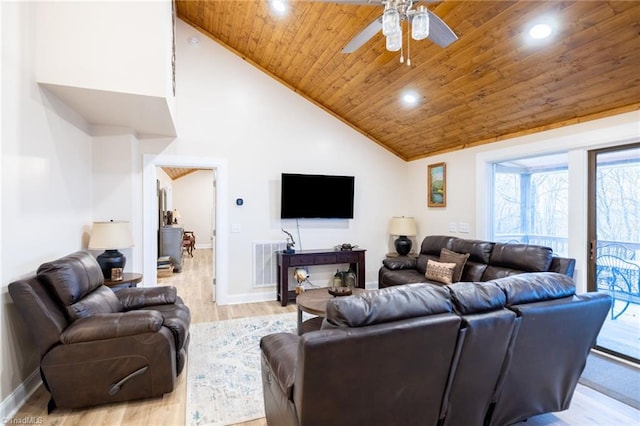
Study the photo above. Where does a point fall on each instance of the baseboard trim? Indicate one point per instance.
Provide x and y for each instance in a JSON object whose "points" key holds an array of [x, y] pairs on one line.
{"points": [[16, 399]]}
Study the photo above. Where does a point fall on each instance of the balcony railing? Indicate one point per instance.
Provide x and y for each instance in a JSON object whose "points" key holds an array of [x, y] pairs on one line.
{"points": [[559, 245]]}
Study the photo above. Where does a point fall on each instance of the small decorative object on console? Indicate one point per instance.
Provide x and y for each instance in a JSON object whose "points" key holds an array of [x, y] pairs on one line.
{"points": [[290, 242], [340, 291], [345, 247], [301, 275]]}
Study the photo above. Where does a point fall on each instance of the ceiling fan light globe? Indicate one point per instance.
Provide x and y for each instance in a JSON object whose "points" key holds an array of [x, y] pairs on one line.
{"points": [[420, 24], [394, 42], [390, 21]]}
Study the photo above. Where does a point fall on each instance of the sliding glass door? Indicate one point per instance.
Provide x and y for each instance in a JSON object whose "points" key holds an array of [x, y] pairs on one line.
{"points": [[614, 252]]}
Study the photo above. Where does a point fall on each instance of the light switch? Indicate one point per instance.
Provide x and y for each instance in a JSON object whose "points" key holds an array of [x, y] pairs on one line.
{"points": [[463, 227], [235, 227], [452, 227]]}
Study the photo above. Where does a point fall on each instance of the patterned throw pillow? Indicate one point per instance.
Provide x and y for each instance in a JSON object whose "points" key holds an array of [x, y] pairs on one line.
{"points": [[448, 256], [441, 272]]}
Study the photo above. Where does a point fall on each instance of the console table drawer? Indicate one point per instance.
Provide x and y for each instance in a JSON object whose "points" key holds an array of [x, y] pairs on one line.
{"points": [[347, 257], [305, 259], [325, 259]]}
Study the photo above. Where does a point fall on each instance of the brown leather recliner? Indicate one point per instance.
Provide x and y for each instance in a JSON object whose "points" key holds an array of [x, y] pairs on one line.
{"points": [[97, 346]]}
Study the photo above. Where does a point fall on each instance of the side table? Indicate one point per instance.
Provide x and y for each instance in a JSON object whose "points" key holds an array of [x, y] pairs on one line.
{"points": [[315, 302], [129, 279]]}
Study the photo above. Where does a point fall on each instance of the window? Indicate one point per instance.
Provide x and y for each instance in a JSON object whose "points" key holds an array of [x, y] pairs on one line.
{"points": [[530, 202]]}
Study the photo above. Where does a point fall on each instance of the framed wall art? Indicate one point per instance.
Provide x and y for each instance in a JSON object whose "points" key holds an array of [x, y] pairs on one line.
{"points": [[437, 185]]}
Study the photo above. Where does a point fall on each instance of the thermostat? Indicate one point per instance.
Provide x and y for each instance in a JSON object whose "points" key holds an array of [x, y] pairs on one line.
{"points": [[239, 201]]}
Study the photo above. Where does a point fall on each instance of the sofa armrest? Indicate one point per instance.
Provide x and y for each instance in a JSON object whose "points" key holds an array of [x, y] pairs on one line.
{"points": [[401, 262], [136, 298], [109, 326], [280, 351]]}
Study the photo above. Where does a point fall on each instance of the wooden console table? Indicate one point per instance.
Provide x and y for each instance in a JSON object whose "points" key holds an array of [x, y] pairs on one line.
{"points": [[316, 257]]}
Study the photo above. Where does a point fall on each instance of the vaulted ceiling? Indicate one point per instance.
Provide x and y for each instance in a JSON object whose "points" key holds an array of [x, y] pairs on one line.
{"points": [[490, 84]]}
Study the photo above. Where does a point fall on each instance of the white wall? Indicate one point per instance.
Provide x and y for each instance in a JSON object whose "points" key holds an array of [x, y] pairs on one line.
{"points": [[467, 179], [115, 193], [193, 198], [46, 189], [115, 46], [227, 109]]}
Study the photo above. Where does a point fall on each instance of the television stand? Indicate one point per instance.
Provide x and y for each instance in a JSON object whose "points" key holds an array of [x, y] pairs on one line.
{"points": [[355, 258]]}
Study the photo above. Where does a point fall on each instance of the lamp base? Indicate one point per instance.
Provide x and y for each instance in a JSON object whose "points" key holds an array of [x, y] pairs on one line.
{"points": [[111, 259], [403, 245]]}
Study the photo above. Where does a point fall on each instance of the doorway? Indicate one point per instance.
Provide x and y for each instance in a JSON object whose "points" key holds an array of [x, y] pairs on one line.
{"points": [[150, 222], [614, 249]]}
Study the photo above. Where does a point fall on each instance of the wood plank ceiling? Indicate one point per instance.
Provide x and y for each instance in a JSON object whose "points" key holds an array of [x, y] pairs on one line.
{"points": [[488, 85], [178, 172]]}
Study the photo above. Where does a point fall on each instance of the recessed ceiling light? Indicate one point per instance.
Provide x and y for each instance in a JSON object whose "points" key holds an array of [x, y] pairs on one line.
{"points": [[279, 6], [540, 31], [410, 98]]}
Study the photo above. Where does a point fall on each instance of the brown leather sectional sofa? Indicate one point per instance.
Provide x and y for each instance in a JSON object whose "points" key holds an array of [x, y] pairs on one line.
{"points": [[487, 261], [468, 353], [97, 346]]}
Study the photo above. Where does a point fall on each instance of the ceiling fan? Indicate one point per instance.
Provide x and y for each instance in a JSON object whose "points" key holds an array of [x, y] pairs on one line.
{"points": [[424, 24]]}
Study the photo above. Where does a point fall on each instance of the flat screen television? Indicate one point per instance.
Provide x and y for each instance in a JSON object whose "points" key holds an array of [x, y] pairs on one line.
{"points": [[316, 196]]}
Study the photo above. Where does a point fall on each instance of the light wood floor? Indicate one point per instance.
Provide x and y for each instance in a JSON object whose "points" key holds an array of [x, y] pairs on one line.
{"points": [[194, 286]]}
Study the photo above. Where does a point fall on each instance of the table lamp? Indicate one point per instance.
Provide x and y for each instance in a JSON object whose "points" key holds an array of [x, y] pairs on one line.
{"points": [[176, 216], [402, 227], [110, 236]]}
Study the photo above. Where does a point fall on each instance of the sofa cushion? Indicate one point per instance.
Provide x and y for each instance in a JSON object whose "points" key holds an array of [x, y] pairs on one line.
{"points": [[402, 262], [440, 272], [72, 277], [432, 244], [472, 298], [479, 251], [136, 298], [421, 262], [100, 301], [535, 287], [400, 276], [523, 257], [562, 265], [448, 256], [388, 304], [473, 271]]}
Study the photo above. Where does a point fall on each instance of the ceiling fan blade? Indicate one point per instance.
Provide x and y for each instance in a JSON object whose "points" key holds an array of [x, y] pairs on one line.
{"points": [[364, 36], [439, 32]]}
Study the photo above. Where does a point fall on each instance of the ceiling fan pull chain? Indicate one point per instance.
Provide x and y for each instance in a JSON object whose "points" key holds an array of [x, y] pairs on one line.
{"points": [[401, 44], [408, 44]]}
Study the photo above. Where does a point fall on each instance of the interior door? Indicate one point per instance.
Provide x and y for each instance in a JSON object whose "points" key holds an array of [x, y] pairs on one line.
{"points": [[614, 249]]}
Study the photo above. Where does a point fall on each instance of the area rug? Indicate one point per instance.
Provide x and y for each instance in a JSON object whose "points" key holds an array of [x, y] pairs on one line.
{"points": [[613, 378], [223, 382]]}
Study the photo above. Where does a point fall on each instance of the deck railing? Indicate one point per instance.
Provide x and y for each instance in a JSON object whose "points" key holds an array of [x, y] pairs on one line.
{"points": [[559, 245]]}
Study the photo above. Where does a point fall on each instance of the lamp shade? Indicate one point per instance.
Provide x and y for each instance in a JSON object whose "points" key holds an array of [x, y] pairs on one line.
{"points": [[402, 226], [110, 236]]}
